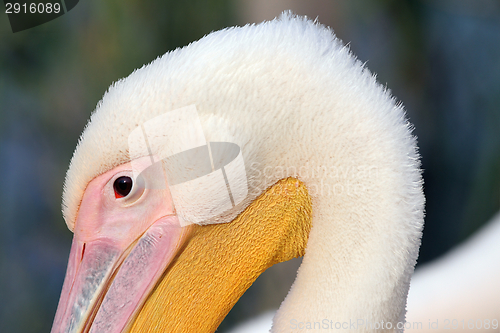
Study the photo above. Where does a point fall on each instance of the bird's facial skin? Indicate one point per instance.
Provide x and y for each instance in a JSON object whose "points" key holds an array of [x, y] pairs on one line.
{"points": [[133, 268], [126, 233]]}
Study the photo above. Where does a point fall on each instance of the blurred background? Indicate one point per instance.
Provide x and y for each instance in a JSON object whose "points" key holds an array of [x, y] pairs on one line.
{"points": [[440, 58]]}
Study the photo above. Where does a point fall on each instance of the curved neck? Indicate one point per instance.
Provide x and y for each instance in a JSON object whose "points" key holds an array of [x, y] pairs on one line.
{"points": [[362, 247]]}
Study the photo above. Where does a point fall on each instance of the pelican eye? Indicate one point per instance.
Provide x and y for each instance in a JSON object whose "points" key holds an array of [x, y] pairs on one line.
{"points": [[122, 186]]}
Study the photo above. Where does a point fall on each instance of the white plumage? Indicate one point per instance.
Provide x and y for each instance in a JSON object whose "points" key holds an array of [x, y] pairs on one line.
{"points": [[298, 104], [458, 291]]}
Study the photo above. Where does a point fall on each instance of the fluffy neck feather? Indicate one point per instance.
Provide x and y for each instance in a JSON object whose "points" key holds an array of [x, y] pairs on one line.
{"points": [[299, 105]]}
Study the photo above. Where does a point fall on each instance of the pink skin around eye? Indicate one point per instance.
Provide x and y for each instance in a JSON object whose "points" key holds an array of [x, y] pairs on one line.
{"points": [[101, 215], [116, 237]]}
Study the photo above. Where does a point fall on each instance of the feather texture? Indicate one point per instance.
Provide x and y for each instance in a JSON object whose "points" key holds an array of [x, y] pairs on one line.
{"points": [[299, 104]]}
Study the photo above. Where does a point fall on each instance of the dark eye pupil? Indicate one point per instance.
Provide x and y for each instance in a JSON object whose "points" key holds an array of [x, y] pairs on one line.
{"points": [[122, 186]]}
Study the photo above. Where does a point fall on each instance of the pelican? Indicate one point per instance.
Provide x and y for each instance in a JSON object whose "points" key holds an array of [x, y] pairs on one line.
{"points": [[249, 147]]}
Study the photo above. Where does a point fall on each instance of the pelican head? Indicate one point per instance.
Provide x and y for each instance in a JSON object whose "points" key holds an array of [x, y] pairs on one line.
{"points": [[249, 147]]}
